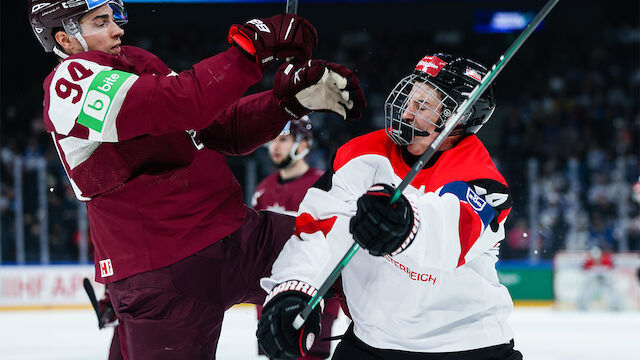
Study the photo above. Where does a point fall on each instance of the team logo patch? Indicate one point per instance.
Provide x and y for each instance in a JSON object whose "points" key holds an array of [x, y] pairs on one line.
{"points": [[102, 91], [476, 202], [106, 269], [430, 65]]}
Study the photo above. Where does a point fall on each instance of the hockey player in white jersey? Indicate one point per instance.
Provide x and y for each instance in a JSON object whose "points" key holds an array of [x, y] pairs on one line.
{"points": [[427, 287]]}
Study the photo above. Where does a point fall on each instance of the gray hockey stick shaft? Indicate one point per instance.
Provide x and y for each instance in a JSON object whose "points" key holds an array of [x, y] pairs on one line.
{"points": [[424, 158], [292, 7]]}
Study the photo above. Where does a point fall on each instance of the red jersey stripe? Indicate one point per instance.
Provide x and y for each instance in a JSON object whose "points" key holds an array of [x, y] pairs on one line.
{"points": [[305, 223], [470, 227]]}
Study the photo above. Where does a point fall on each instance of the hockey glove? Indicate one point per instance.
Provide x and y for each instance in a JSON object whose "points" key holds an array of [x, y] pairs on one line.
{"points": [[384, 228], [107, 314], [280, 36], [318, 85], [276, 335]]}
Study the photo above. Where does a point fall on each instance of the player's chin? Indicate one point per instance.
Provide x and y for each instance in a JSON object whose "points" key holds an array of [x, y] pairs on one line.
{"points": [[417, 148], [115, 50]]}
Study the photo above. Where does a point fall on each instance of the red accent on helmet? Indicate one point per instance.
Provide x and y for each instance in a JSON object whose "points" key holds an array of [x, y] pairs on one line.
{"points": [[430, 65]]}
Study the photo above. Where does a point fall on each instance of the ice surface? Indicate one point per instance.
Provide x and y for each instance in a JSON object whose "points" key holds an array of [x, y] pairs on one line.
{"points": [[541, 334]]}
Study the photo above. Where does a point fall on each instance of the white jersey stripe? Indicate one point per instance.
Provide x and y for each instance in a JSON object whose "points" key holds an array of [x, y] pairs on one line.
{"points": [[77, 150], [74, 186]]}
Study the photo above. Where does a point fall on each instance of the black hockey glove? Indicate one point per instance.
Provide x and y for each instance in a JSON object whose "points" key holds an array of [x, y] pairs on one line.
{"points": [[384, 228], [107, 316], [280, 36], [318, 85], [276, 334]]}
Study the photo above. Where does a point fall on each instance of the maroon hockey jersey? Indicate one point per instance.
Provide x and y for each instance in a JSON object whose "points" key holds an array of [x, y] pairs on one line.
{"points": [[283, 196], [143, 147]]}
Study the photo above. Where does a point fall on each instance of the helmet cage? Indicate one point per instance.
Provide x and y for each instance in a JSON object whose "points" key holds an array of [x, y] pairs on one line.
{"points": [[454, 78], [410, 97]]}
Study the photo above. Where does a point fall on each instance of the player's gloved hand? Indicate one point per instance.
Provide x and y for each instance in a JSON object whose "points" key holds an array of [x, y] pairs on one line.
{"points": [[280, 36], [318, 85], [276, 335], [107, 314], [384, 228]]}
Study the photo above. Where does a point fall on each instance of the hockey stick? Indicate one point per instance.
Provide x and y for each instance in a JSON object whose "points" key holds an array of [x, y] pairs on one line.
{"points": [[96, 307], [92, 297], [424, 158], [292, 7]]}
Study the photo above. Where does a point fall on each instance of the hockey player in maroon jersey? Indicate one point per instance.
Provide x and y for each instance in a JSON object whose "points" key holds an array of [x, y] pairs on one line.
{"points": [[144, 147], [283, 190], [425, 286]]}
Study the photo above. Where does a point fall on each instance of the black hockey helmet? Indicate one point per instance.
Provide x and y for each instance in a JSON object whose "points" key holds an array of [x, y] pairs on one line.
{"points": [[46, 16], [441, 82]]}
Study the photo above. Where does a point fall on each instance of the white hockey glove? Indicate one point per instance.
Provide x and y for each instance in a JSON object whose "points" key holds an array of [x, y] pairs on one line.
{"points": [[318, 85]]}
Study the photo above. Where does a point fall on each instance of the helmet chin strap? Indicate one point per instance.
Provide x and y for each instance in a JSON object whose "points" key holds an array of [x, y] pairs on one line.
{"points": [[292, 153], [60, 53], [80, 39], [424, 133]]}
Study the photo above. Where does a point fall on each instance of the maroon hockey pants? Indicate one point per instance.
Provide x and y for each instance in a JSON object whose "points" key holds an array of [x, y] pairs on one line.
{"points": [[176, 312]]}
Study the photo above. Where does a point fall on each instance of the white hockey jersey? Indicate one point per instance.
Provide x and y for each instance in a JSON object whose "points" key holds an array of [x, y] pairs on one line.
{"points": [[442, 293]]}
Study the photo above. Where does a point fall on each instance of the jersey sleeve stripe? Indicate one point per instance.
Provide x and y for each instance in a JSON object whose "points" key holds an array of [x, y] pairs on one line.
{"points": [[77, 150], [470, 229], [305, 223]]}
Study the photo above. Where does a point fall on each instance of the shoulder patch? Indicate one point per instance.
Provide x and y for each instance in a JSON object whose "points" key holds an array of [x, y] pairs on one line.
{"points": [[90, 94], [497, 195], [467, 195], [102, 96]]}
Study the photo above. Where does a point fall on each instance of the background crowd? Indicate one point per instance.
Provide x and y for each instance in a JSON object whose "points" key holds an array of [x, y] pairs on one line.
{"points": [[565, 133]]}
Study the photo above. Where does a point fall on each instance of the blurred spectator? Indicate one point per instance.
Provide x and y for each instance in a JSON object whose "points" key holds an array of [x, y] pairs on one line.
{"points": [[517, 241]]}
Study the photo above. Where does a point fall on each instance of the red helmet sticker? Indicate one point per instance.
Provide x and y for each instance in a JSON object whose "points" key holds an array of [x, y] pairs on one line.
{"points": [[430, 65]]}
